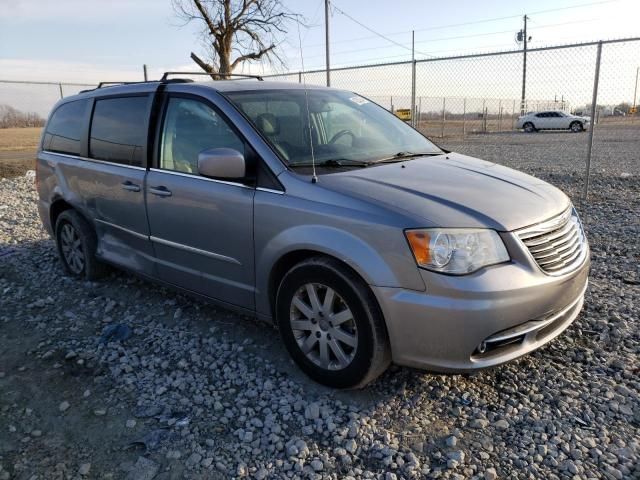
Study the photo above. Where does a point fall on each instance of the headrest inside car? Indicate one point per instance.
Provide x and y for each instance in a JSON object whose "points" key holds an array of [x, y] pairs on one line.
{"points": [[268, 124]]}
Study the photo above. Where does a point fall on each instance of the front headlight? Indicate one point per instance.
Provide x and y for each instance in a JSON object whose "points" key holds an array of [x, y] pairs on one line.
{"points": [[456, 250]]}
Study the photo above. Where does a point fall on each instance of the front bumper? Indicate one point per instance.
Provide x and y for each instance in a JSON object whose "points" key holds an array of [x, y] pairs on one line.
{"points": [[463, 323]]}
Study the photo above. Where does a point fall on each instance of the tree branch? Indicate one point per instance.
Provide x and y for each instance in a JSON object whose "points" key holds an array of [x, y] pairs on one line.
{"points": [[207, 18], [252, 56], [205, 66]]}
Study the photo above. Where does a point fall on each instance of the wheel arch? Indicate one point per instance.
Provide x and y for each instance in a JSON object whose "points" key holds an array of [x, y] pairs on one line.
{"points": [[296, 244], [287, 261], [58, 205]]}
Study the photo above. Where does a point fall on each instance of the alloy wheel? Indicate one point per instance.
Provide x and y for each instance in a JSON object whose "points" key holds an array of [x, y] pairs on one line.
{"points": [[323, 326], [72, 248]]}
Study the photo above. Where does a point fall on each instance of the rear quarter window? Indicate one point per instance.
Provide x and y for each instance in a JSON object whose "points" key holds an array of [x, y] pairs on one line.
{"points": [[65, 128], [119, 130]]}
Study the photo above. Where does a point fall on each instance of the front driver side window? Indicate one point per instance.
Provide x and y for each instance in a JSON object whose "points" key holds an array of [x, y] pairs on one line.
{"points": [[191, 126]]}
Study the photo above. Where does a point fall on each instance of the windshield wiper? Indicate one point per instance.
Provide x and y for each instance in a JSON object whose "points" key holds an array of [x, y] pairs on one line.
{"points": [[333, 163], [398, 157]]}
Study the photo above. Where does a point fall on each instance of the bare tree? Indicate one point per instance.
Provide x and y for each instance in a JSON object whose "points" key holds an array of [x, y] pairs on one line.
{"points": [[12, 118], [236, 31]]}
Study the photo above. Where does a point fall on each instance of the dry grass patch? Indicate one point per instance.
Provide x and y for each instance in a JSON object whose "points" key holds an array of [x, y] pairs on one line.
{"points": [[16, 139]]}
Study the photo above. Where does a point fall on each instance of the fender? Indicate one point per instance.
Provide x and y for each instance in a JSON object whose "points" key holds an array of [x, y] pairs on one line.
{"points": [[344, 246]]}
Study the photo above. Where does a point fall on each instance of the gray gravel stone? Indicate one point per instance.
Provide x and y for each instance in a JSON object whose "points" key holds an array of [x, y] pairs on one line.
{"points": [[143, 469], [490, 474], [210, 374]]}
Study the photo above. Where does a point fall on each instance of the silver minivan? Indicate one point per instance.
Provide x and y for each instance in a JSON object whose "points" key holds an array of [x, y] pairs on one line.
{"points": [[318, 210]]}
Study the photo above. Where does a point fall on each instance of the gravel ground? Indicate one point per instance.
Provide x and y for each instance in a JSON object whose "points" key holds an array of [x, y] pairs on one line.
{"points": [[197, 392]]}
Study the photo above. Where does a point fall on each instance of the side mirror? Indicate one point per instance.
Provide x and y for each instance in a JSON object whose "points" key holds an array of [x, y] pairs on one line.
{"points": [[224, 163]]}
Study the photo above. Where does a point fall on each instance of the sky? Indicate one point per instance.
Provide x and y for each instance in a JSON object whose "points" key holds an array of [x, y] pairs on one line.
{"points": [[90, 40], [97, 40]]}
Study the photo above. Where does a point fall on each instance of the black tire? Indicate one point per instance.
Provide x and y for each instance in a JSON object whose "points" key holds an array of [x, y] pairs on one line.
{"points": [[92, 269], [372, 353], [529, 127], [576, 127]]}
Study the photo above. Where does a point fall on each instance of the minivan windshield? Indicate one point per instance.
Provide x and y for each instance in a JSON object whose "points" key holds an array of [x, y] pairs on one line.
{"points": [[345, 128]]}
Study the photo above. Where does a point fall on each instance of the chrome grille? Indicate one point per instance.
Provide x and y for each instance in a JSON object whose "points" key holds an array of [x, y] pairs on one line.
{"points": [[558, 245]]}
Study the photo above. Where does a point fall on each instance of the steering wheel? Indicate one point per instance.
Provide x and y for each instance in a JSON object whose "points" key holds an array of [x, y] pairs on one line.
{"points": [[341, 134]]}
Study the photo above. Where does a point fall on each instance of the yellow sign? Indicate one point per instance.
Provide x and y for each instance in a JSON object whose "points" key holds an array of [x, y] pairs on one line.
{"points": [[633, 110], [403, 113]]}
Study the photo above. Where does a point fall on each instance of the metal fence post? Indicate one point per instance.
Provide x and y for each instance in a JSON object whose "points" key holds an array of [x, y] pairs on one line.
{"points": [[594, 101], [500, 116], [444, 115], [60, 87], [413, 78], [413, 92], [484, 116], [299, 77], [144, 71], [464, 117]]}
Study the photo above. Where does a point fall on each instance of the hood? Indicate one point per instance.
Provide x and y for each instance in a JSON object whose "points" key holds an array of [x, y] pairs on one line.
{"points": [[453, 190]]}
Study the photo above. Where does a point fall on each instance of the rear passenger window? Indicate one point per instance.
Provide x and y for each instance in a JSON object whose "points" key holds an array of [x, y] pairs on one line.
{"points": [[65, 127], [119, 130], [191, 126]]}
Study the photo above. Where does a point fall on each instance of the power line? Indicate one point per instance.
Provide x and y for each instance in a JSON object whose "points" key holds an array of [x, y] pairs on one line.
{"points": [[475, 35], [440, 27], [373, 31]]}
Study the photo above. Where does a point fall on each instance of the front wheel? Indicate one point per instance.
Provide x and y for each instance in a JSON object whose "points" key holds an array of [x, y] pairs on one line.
{"points": [[331, 324], [576, 127], [528, 127]]}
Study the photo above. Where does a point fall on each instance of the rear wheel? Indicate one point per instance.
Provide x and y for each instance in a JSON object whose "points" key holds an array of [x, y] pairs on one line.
{"points": [[331, 324], [529, 127], [576, 127], [76, 242]]}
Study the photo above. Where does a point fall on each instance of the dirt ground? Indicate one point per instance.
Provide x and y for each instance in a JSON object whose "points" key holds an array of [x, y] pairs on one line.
{"points": [[197, 392], [17, 150]]}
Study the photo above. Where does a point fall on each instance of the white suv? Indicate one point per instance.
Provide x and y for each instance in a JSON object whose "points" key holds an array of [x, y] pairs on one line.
{"points": [[552, 120]]}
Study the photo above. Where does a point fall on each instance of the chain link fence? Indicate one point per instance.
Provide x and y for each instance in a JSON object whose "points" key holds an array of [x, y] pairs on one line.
{"points": [[468, 100], [454, 99]]}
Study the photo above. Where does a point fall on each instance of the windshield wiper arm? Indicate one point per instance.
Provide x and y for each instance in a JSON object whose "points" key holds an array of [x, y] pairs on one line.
{"points": [[398, 157], [333, 163]]}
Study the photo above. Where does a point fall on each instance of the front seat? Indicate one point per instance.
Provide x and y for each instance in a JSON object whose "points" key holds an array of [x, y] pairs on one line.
{"points": [[269, 125]]}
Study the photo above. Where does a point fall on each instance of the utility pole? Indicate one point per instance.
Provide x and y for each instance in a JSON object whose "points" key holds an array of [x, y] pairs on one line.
{"points": [[326, 39], [525, 38]]}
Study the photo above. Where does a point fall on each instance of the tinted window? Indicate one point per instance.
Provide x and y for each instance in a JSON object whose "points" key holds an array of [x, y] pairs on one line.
{"points": [[119, 130], [191, 126], [65, 127], [542, 115]]}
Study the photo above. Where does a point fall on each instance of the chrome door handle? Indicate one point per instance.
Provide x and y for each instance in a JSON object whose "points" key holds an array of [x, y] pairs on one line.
{"points": [[160, 191], [132, 187]]}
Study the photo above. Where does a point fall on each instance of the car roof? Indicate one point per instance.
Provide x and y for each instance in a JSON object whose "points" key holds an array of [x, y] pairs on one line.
{"points": [[217, 85], [251, 85]]}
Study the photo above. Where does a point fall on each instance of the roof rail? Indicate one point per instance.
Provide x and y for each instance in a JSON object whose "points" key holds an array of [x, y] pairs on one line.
{"points": [[106, 84], [113, 84], [166, 75]]}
